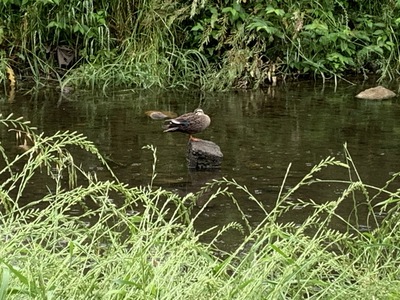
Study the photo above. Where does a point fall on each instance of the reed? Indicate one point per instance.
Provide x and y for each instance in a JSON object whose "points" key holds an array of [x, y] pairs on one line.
{"points": [[147, 246]]}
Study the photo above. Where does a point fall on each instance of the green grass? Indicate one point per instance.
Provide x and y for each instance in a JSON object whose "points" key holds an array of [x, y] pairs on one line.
{"points": [[142, 243]]}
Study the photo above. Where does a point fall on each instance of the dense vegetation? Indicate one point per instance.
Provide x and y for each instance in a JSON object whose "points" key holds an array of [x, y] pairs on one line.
{"points": [[206, 44], [107, 240]]}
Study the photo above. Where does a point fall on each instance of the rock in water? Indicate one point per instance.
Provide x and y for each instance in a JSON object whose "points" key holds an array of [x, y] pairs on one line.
{"points": [[159, 115], [376, 93], [203, 154]]}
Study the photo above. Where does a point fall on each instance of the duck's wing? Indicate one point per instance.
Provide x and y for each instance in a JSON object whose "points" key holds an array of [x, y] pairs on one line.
{"points": [[181, 123]]}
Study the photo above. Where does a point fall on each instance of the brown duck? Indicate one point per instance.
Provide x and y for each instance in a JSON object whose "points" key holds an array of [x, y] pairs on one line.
{"points": [[189, 123]]}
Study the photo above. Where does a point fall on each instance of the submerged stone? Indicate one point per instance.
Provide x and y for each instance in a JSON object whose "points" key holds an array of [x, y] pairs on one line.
{"points": [[159, 115], [203, 154], [376, 93]]}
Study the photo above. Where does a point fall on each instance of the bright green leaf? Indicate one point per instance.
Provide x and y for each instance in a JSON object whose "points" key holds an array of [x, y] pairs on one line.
{"points": [[277, 11]]}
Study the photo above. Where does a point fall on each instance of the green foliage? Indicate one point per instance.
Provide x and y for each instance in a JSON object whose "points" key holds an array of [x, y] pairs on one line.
{"points": [[147, 246], [116, 43], [52, 34], [258, 40], [207, 44]]}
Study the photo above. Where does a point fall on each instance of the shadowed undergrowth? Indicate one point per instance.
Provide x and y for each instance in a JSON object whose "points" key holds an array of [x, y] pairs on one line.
{"points": [[147, 246]]}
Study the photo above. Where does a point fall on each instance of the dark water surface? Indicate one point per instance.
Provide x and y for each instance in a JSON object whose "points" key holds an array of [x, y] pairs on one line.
{"points": [[259, 132]]}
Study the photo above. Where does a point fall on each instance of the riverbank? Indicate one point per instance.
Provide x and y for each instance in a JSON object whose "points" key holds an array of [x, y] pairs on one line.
{"points": [[206, 45]]}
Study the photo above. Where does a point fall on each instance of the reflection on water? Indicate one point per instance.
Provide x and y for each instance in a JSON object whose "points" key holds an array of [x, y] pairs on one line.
{"points": [[259, 132]]}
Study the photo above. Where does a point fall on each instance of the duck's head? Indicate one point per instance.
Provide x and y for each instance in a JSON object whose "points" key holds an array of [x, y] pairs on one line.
{"points": [[199, 111]]}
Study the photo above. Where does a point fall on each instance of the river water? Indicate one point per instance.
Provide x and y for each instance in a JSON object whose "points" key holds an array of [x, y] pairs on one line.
{"points": [[260, 133]]}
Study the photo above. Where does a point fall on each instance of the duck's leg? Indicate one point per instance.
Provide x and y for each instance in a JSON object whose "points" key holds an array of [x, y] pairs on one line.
{"points": [[193, 139]]}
